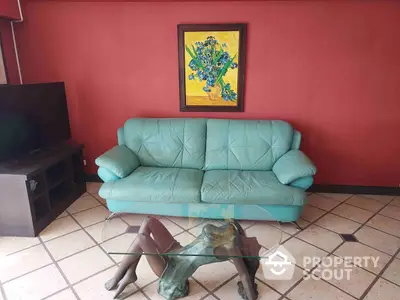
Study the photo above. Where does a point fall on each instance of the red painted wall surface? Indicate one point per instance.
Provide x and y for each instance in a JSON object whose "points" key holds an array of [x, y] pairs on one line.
{"points": [[8, 51], [331, 68], [9, 9]]}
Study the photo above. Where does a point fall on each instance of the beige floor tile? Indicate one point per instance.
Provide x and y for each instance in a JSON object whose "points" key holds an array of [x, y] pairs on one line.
{"points": [[351, 250], [22, 262], [187, 223], [83, 203], [392, 211], [383, 290], [101, 200], [171, 226], [210, 298], [316, 290], [282, 285], [69, 244], [64, 295], [299, 249], [102, 232], [365, 203], [385, 199], [320, 237], [290, 228], [379, 240], [338, 224], [144, 273], [337, 196], [92, 216], [35, 285], [93, 287], [93, 187], [267, 235], [246, 223], [386, 224], [392, 273], [64, 214], [59, 227], [185, 238], [311, 213], [322, 202], [396, 201], [229, 291], [353, 213], [84, 264], [133, 219], [355, 284], [213, 275], [119, 244], [12, 244], [195, 291]]}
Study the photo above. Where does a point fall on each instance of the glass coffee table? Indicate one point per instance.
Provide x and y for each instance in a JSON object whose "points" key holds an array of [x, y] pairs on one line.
{"points": [[175, 247]]}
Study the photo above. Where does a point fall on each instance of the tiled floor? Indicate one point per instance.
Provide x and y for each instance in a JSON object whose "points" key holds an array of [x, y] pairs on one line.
{"points": [[69, 260]]}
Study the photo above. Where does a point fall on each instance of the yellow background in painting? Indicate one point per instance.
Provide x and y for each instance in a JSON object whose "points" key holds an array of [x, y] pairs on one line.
{"points": [[194, 88]]}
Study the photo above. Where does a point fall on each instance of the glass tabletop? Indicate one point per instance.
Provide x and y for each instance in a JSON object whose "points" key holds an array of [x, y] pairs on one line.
{"points": [[226, 237]]}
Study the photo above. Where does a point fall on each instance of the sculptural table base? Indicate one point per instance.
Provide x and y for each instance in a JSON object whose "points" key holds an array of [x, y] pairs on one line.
{"points": [[175, 264], [224, 246]]}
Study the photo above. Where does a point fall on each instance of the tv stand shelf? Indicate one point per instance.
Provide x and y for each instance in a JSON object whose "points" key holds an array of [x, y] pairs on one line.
{"points": [[38, 188]]}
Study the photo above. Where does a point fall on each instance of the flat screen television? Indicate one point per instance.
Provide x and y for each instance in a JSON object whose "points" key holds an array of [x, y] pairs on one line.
{"points": [[32, 117]]}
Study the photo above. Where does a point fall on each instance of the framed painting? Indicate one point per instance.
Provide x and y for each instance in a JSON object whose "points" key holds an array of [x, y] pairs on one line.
{"points": [[211, 66], [3, 70]]}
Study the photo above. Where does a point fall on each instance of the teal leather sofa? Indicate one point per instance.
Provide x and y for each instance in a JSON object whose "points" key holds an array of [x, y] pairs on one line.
{"points": [[210, 168]]}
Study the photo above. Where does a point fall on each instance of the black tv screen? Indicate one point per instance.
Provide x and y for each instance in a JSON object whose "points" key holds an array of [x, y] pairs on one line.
{"points": [[32, 117]]}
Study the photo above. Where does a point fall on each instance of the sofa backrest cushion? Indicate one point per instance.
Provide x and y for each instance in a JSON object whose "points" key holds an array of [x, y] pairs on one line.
{"points": [[176, 143], [246, 144]]}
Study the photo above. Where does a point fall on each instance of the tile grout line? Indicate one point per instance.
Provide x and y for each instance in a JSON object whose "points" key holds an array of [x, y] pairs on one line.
{"points": [[310, 272], [187, 230], [2, 291], [361, 226], [329, 253], [271, 287], [379, 276], [27, 273], [96, 243], [332, 253], [53, 294], [59, 269], [389, 217], [101, 248], [374, 213], [365, 223], [375, 275]]}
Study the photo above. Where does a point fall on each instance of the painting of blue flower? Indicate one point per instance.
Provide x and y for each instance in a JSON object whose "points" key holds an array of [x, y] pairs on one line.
{"points": [[211, 66]]}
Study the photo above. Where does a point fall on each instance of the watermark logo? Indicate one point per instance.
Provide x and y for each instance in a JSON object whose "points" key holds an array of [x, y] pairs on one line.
{"points": [[278, 264], [334, 267]]}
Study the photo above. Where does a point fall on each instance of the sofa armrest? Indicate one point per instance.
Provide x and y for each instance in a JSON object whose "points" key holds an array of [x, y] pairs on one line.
{"points": [[292, 166], [120, 161]]}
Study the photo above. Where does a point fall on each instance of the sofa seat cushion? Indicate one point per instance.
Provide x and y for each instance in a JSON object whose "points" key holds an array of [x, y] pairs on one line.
{"points": [[248, 187], [149, 184]]}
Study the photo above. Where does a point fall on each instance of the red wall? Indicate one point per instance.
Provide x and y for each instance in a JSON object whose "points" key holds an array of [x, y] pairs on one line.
{"points": [[9, 53], [9, 9], [331, 68]]}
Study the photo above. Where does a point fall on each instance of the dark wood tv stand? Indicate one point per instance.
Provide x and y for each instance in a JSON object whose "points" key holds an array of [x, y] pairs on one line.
{"points": [[36, 189]]}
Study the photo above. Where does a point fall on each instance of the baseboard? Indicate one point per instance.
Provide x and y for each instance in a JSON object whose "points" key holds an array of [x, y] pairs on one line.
{"points": [[93, 178], [355, 189], [322, 188]]}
